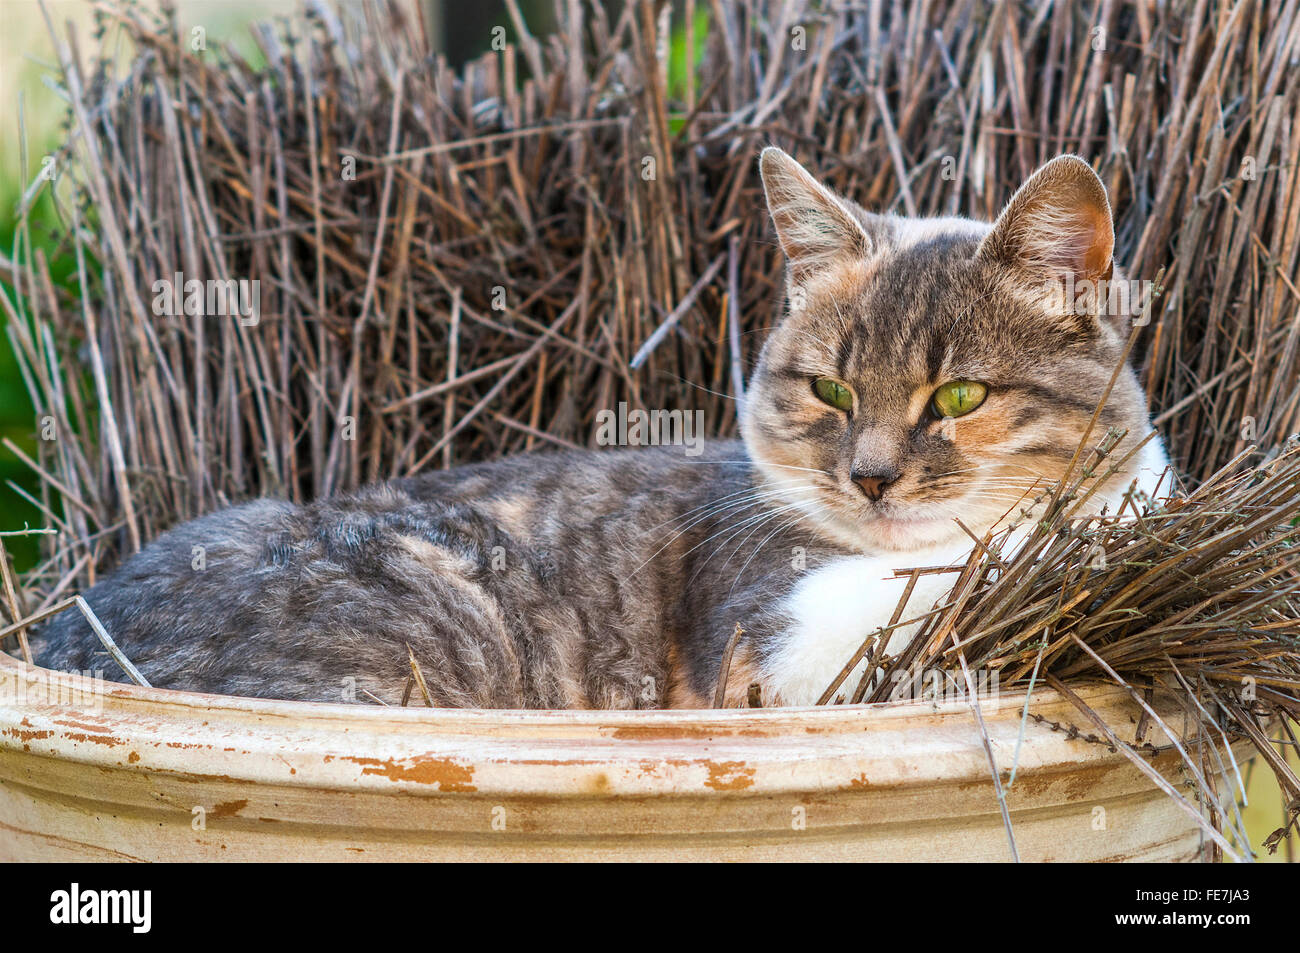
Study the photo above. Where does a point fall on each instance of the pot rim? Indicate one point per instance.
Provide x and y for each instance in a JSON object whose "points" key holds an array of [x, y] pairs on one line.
{"points": [[128, 693], [248, 744]]}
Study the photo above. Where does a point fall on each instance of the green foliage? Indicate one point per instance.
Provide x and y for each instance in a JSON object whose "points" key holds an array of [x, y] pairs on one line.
{"points": [[17, 416], [679, 68]]}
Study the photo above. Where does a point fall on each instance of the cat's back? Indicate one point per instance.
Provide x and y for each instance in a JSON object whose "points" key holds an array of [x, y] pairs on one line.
{"points": [[493, 573], [206, 566]]}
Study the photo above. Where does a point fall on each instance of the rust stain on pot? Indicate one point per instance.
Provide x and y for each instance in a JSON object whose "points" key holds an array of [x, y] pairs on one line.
{"points": [[729, 776], [1066, 786], [93, 739], [861, 781], [228, 808], [443, 772], [93, 727], [197, 775], [35, 734], [653, 767], [723, 775], [89, 732], [26, 737]]}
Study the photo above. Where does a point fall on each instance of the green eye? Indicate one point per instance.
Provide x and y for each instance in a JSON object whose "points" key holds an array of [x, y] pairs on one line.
{"points": [[958, 397], [833, 393]]}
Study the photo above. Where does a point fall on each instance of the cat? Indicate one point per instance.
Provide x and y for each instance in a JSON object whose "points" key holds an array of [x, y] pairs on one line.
{"points": [[922, 371]]}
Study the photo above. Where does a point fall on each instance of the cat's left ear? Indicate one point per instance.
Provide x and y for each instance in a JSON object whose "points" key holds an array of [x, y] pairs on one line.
{"points": [[1057, 224]]}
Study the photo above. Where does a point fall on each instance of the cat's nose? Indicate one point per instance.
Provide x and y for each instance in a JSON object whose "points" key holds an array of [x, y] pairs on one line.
{"points": [[874, 483]]}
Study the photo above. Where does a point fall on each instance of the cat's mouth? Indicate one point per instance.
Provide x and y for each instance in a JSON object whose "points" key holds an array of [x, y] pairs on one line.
{"points": [[887, 524], [908, 532], [881, 525], [905, 527]]}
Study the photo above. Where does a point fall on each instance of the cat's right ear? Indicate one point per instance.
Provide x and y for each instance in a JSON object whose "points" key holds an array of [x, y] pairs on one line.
{"points": [[815, 227], [1057, 224]]}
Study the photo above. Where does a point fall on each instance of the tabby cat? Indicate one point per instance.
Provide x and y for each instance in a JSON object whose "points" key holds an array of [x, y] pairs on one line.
{"points": [[924, 371]]}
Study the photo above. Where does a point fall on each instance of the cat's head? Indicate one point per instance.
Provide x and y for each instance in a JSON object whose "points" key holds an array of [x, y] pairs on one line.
{"points": [[932, 369]]}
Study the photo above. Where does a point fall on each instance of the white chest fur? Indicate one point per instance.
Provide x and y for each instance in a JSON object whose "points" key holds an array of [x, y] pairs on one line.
{"points": [[836, 608]]}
